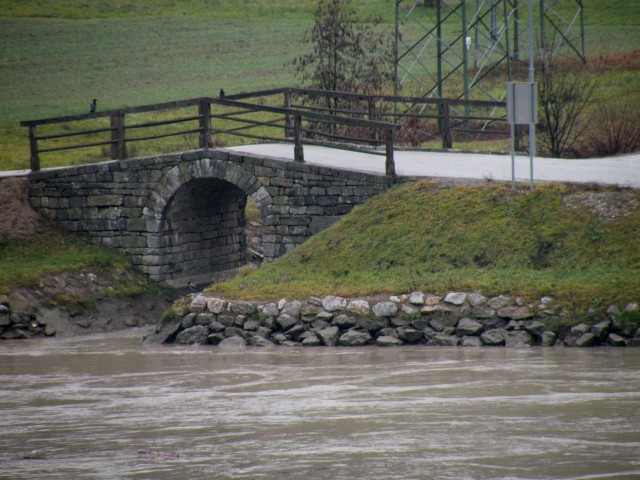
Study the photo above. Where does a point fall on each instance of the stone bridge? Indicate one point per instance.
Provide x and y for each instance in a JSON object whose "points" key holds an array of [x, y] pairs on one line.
{"points": [[181, 217]]}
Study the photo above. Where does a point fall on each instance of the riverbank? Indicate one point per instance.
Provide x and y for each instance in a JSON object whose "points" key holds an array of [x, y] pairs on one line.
{"points": [[77, 303], [454, 319], [574, 244]]}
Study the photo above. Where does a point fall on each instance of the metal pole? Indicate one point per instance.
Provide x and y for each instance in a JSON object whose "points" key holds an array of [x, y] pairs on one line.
{"points": [[584, 52], [465, 66], [532, 125], [439, 45], [396, 59], [516, 33]]}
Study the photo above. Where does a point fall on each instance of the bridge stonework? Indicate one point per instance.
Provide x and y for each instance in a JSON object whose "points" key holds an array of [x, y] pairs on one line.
{"points": [[180, 217]]}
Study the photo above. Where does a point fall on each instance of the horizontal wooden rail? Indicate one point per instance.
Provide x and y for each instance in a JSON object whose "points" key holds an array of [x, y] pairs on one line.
{"points": [[359, 122]]}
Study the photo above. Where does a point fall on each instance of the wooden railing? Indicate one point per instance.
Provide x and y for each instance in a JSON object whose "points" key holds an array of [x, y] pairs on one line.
{"points": [[292, 122], [370, 123]]}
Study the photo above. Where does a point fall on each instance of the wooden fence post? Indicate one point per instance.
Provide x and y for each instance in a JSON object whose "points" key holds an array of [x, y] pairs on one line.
{"points": [[446, 127], [288, 131], [34, 160], [371, 115], [298, 152], [204, 111], [118, 144], [390, 164]]}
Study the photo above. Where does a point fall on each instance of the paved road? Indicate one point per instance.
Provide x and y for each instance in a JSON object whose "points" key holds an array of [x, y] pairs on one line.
{"points": [[623, 170]]}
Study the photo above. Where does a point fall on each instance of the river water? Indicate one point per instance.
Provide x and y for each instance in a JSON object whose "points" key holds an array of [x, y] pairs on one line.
{"points": [[108, 407]]}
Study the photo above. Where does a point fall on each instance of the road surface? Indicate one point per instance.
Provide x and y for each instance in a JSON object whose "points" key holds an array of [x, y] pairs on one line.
{"points": [[622, 170]]}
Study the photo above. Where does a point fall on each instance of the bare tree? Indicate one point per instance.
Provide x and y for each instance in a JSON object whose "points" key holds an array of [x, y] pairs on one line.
{"points": [[565, 91]]}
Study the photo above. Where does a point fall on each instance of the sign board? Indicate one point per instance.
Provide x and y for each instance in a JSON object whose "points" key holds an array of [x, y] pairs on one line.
{"points": [[522, 103]]}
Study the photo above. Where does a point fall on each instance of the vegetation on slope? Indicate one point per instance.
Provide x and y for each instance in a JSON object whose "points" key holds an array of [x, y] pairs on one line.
{"points": [[32, 248], [576, 244]]}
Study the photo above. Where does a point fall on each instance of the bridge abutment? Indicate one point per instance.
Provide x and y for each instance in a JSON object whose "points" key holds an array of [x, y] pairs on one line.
{"points": [[180, 217]]}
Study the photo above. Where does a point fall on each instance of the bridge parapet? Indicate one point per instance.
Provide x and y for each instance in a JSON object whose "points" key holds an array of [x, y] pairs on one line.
{"points": [[180, 217]]}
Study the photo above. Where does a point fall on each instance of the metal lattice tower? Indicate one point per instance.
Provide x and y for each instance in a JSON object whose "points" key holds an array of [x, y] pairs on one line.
{"points": [[456, 48]]}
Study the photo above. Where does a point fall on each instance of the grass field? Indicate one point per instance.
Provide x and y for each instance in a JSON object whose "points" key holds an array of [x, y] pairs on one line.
{"points": [[57, 56]]}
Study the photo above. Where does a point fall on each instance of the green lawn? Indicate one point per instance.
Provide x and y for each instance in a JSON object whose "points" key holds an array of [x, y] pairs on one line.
{"points": [[57, 56]]}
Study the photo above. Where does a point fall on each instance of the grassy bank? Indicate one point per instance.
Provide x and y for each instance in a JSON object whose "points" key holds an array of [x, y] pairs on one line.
{"points": [[32, 249], [578, 245], [57, 57]]}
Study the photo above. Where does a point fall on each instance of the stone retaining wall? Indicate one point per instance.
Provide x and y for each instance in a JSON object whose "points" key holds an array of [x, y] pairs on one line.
{"points": [[458, 318]]}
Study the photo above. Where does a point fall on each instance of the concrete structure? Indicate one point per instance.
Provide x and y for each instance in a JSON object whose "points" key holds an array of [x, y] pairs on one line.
{"points": [[180, 217]]}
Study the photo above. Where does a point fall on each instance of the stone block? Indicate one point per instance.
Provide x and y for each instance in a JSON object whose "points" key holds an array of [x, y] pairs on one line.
{"points": [[104, 200]]}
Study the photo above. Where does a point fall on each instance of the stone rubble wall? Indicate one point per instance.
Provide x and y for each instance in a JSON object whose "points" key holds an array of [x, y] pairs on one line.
{"points": [[159, 211], [455, 319]]}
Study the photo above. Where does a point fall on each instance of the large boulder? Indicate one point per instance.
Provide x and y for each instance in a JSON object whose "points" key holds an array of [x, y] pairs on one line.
{"points": [[417, 298], [344, 321], [410, 335], [242, 308], [286, 321], [216, 305], [372, 324], [535, 328], [499, 302], [442, 340], [270, 310], [292, 308], [471, 342], [310, 340], [388, 341], [455, 298], [354, 338], [331, 303], [588, 339], [233, 342], [616, 340], [329, 336], [193, 336], [494, 338], [518, 339], [359, 308], [198, 304], [468, 327], [548, 338], [385, 309], [602, 329]]}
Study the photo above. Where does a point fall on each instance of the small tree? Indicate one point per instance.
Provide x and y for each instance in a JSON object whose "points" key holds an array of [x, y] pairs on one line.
{"points": [[344, 56], [565, 90]]}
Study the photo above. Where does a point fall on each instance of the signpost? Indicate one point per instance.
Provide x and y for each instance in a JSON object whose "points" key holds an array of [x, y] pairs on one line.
{"points": [[522, 101]]}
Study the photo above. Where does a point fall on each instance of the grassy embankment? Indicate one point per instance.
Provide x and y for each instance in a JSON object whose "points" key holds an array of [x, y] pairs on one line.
{"points": [[417, 236], [576, 244]]}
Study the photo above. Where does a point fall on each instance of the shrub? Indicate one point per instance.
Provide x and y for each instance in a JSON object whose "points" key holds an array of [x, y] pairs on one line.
{"points": [[616, 131]]}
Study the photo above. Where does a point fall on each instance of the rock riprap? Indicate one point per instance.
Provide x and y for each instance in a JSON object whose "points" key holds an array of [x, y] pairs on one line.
{"points": [[454, 319]]}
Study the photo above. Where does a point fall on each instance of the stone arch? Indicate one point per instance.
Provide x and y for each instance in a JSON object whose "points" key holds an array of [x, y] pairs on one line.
{"points": [[195, 220]]}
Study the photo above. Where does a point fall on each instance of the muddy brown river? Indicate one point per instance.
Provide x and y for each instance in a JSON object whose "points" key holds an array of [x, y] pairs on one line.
{"points": [[108, 407]]}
